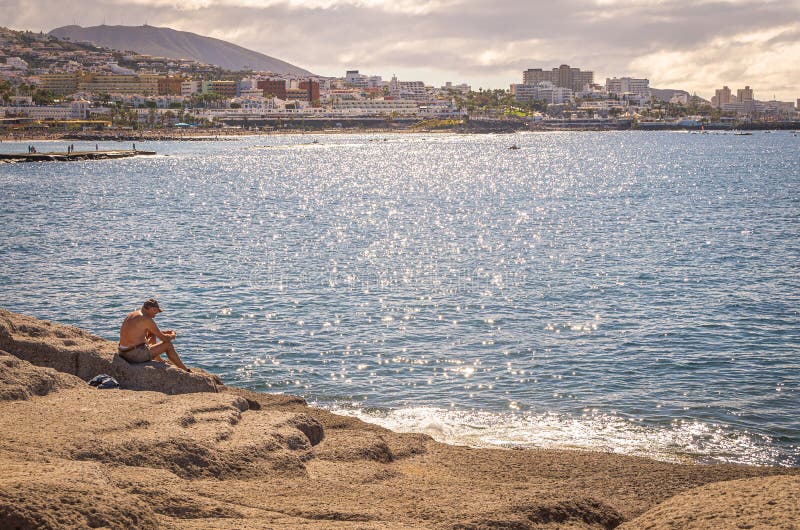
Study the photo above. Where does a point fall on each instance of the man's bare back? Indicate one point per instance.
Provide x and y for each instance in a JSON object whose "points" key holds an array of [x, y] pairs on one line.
{"points": [[139, 330], [136, 329]]}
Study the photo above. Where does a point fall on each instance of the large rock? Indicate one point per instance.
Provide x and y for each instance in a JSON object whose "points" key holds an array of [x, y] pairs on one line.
{"points": [[761, 502], [68, 495], [53, 415], [19, 380], [74, 351]]}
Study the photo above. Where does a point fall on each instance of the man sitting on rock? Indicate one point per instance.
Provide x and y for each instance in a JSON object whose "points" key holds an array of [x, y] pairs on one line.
{"points": [[137, 337]]}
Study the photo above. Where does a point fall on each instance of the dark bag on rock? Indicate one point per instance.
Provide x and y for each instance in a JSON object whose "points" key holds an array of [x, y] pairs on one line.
{"points": [[104, 381]]}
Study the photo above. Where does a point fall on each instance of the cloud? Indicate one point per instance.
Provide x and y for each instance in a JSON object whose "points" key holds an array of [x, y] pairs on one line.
{"points": [[694, 45]]}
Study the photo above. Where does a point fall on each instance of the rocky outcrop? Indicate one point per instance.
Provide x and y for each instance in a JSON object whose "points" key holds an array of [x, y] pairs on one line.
{"points": [[73, 456], [762, 502], [73, 351], [20, 381], [47, 496]]}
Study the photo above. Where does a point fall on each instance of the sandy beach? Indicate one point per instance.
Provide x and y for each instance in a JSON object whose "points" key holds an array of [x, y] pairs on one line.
{"points": [[178, 450]]}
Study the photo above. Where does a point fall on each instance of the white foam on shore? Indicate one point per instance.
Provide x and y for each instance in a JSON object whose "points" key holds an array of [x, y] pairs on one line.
{"points": [[680, 441]]}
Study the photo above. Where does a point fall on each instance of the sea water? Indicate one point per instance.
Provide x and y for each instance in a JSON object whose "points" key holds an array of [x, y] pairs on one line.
{"points": [[634, 292]]}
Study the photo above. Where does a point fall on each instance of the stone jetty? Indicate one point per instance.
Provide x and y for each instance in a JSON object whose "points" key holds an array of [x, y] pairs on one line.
{"points": [[63, 156]]}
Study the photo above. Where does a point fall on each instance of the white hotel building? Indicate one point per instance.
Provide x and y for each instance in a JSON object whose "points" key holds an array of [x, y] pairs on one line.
{"points": [[76, 110], [639, 89], [544, 90]]}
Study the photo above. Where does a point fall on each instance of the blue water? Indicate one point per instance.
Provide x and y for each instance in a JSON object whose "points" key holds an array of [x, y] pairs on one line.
{"points": [[628, 292]]}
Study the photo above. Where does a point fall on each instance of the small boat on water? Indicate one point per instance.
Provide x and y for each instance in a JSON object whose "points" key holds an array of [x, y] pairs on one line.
{"points": [[739, 133], [515, 146]]}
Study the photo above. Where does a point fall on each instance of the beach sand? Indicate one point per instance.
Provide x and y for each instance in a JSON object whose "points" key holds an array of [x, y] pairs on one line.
{"points": [[178, 450]]}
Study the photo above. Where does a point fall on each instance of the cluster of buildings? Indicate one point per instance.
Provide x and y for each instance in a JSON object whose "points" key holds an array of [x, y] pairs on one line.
{"points": [[91, 81], [87, 82], [743, 103], [566, 86], [256, 95]]}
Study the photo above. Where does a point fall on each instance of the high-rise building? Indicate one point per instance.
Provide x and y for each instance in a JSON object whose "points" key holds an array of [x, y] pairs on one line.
{"points": [[534, 76], [312, 88], [723, 96], [170, 86], [273, 87], [564, 76], [629, 85], [744, 95]]}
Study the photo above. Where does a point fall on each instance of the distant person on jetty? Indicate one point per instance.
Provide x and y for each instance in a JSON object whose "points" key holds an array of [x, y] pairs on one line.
{"points": [[137, 337]]}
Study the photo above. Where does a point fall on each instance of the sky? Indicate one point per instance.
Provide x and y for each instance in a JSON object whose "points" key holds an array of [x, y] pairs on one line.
{"points": [[693, 45]]}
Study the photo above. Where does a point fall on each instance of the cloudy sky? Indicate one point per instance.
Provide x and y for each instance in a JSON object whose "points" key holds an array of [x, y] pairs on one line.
{"points": [[695, 45]]}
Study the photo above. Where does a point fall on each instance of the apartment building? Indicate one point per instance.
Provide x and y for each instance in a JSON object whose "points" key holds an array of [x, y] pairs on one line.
{"points": [[59, 84], [365, 107], [743, 95], [147, 85], [410, 90], [170, 86], [564, 76], [640, 88], [722, 96], [353, 79], [190, 87], [226, 89], [16, 62], [462, 89], [543, 91], [75, 110], [273, 87], [311, 88]]}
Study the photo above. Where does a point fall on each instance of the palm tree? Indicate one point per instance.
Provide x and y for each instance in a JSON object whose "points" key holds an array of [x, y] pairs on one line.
{"points": [[166, 118]]}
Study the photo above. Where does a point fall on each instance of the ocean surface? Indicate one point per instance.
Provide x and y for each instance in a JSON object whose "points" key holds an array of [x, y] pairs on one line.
{"points": [[633, 292]]}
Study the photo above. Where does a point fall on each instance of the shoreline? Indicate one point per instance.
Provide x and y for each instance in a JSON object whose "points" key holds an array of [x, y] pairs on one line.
{"points": [[232, 134], [233, 458]]}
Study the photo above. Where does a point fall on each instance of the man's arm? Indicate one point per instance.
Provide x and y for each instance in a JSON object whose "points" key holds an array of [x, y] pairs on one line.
{"points": [[153, 328]]}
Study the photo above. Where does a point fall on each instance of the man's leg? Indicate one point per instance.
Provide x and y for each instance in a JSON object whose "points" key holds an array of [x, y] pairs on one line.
{"points": [[172, 355]]}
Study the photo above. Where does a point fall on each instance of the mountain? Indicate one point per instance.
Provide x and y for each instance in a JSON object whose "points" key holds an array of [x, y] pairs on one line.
{"points": [[167, 42]]}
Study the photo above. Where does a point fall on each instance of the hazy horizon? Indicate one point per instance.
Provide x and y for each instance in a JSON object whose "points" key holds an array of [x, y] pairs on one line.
{"points": [[693, 46]]}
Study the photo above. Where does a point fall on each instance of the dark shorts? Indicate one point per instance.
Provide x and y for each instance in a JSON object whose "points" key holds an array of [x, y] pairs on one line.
{"points": [[136, 354]]}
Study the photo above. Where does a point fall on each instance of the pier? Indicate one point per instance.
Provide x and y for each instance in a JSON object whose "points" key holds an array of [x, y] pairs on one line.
{"points": [[63, 156]]}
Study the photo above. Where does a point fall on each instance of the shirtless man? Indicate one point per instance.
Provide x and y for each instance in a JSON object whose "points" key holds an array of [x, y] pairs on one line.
{"points": [[137, 337]]}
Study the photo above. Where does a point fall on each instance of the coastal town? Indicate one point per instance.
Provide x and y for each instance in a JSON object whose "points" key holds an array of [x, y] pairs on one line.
{"points": [[52, 84]]}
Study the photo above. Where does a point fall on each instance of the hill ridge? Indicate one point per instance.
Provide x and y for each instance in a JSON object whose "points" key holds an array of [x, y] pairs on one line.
{"points": [[176, 44]]}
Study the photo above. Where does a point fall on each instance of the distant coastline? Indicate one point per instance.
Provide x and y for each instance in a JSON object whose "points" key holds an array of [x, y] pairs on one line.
{"points": [[483, 127]]}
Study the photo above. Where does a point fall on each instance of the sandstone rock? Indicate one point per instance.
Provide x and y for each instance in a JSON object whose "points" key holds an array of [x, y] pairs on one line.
{"points": [[74, 351], [46, 496], [21, 380], [758, 503], [341, 445]]}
